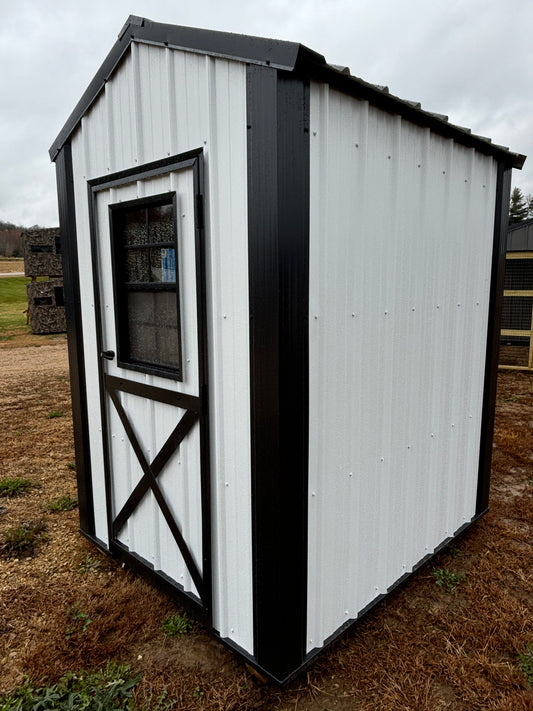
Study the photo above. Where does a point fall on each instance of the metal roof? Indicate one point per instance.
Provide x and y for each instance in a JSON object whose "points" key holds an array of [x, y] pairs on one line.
{"points": [[286, 56]]}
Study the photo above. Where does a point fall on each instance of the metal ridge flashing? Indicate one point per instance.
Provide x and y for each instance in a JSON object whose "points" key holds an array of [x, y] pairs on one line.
{"points": [[277, 54]]}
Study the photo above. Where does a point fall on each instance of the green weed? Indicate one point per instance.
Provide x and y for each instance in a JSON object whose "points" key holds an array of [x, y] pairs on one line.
{"points": [[20, 541], [446, 579], [64, 503], [79, 621], [55, 413], [177, 625], [197, 693], [526, 663], [14, 486], [109, 689], [454, 550], [89, 564]]}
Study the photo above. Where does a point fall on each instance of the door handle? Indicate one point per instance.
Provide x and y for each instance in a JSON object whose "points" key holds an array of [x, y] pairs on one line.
{"points": [[108, 355]]}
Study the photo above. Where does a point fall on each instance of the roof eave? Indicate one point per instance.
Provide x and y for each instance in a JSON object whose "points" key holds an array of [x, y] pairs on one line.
{"points": [[286, 56], [277, 54]]}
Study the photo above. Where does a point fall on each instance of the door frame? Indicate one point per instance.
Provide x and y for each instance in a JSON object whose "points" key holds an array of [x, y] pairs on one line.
{"points": [[194, 160]]}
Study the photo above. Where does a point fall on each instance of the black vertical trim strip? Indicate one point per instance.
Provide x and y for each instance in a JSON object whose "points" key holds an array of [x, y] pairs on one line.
{"points": [[76, 357], [278, 224], [203, 381], [501, 216]]}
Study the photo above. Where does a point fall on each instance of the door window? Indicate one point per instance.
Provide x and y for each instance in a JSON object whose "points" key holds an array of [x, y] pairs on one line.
{"points": [[144, 241]]}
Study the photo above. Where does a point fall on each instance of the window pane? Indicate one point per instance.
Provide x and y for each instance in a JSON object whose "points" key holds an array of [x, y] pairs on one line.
{"points": [[153, 327], [161, 224], [137, 266], [163, 264], [134, 226]]}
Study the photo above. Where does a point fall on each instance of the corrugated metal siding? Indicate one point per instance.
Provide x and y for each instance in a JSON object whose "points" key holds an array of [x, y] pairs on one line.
{"points": [[160, 102], [520, 237], [401, 241]]}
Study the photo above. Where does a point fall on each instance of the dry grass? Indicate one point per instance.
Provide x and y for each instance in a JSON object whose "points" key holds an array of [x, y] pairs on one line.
{"points": [[422, 649], [11, 265]]}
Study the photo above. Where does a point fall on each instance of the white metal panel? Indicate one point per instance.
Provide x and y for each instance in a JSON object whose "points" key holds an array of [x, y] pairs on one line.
{"points": [[401, 241], [160, 102]]}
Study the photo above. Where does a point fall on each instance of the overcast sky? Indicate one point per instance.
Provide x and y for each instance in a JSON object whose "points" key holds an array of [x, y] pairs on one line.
{"points": [[469, 59]]}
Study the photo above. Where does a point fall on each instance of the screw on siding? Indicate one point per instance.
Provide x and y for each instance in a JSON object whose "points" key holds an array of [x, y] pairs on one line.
{"points": [[357, 145], [314, 133]]}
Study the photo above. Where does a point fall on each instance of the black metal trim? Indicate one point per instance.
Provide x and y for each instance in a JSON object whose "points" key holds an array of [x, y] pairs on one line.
{"points": [[197, 405], [501, 218], [76, 356], [169, 397], [278, 246], [287, 56], [149, 481]]}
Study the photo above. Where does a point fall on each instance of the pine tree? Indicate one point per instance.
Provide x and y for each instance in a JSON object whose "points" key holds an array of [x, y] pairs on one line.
{"points": [[530, 206], [518, 208]]}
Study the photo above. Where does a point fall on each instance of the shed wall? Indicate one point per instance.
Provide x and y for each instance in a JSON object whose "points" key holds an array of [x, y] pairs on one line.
{"points": [[161, 102], [400, 259]]}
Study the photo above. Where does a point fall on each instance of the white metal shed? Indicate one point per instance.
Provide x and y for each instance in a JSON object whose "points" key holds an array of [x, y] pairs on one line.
{"points": [[283, 290]]}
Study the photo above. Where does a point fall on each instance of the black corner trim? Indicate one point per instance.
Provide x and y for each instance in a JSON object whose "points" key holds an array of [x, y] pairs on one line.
{"points": [[71, 285], [278, 234], [501, 216]]}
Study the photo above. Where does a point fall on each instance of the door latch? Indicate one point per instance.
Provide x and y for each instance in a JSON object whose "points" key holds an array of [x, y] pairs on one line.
{"points": [[108, 355]]}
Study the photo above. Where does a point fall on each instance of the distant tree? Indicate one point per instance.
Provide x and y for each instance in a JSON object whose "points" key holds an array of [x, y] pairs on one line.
{"points": [[518, 207], [530, 206]]}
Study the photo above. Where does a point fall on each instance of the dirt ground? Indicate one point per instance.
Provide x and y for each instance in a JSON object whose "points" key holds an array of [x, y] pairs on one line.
{"points": [[69, 607]]}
